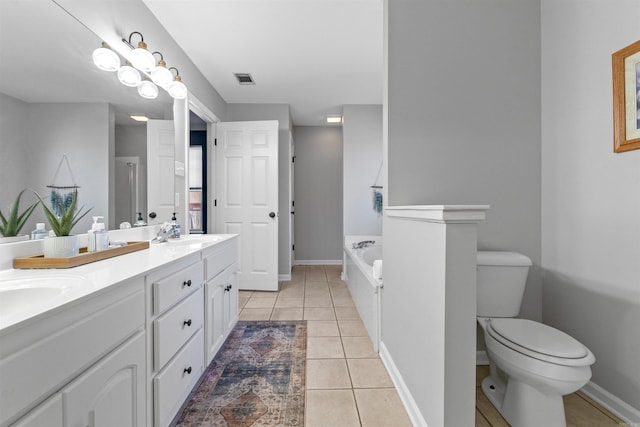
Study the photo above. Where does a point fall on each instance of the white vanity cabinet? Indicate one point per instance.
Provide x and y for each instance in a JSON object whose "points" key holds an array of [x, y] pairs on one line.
{"points": [[74, 364], [221, 295], [176, 318]]}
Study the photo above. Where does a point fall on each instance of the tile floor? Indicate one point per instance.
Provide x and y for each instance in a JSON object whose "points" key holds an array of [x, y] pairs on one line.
{"points": [[347, 384]]}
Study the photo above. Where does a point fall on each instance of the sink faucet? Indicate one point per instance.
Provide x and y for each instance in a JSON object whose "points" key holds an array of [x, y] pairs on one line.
{"points": [[167, 231], [363, 244]]}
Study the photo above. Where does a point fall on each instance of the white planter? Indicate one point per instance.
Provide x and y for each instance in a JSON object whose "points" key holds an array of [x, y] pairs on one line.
{"points": [[14, 238], [61, 247]]}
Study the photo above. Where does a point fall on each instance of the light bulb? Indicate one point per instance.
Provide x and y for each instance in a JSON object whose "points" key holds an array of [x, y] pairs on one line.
{"points": [[177, 89], [106, 59], [129, 76], [161, 76], [141, 58], [148, 90]]}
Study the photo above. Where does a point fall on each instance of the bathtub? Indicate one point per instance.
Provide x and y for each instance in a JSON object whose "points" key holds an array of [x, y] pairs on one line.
{"points": [[366, 291]]}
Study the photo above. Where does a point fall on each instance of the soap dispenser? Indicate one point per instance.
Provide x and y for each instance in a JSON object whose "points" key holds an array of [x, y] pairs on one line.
{"points": [[39, 232], [98, 237], [175, 227], [139, 222]]}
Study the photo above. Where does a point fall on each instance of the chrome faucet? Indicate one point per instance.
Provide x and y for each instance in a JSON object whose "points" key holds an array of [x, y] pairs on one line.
{"points": [[363, 244], [167, 231]]}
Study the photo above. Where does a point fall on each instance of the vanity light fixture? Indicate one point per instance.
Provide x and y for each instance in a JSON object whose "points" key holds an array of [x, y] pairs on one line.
{"points": [[105, 58], [140, 57], [177, 89], [147, 89], [160, 74], [334, 119], [128, 75]]}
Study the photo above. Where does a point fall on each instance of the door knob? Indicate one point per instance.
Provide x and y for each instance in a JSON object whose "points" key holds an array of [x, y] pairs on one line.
{"points": [[152, 215], [272, 214]]}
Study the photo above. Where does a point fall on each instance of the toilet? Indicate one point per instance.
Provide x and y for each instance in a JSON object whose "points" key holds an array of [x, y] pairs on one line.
{"points": [[531, 365]]}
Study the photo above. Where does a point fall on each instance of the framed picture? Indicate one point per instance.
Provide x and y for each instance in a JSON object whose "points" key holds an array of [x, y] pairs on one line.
{"points": [[626, 98]]}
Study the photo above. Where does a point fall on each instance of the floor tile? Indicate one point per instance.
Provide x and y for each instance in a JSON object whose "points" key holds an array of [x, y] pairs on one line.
{"points": [[264, 294], [335, 408], [242, 301], [352, 328], [286, 314], [381, 407], [327, 374], [342, 302], [262, 302], [322, 328], [580, 413], [324, 348], [319, 313], [292, 292], [255, 314], [284, 302], [317, 293], [347, 313], [340, 293], [358, 348], [368, 373], [318, 302]]}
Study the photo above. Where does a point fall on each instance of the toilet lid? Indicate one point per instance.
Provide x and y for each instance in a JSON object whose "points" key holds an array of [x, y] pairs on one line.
{"points": [[538, 338]]}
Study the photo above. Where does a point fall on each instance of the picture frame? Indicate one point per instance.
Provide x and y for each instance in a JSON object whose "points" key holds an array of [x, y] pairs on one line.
{"points": [[626, 98]]}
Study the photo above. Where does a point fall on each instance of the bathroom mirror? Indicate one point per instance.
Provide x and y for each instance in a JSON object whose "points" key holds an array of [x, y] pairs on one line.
{"points": [[55, 101]]}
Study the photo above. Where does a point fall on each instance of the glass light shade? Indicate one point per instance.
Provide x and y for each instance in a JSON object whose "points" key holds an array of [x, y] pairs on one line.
{"points": [[161, 76], [129, 76], [106, 59], [177, 90], [142, 59], [148, 90]]}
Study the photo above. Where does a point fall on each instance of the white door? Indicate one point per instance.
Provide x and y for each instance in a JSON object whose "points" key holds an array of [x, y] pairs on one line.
{"points": [[160, 171], [247, 198]]}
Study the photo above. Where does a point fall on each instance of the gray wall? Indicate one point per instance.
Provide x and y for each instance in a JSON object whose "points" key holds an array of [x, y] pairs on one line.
{"points": [[590, 195], [318, 193], [279, 112], [362, 159], [48, 131], [464, 117], [14, 153]]}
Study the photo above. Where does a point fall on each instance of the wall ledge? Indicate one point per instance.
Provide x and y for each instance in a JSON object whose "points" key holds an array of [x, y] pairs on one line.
{"points": [[469, 214]]}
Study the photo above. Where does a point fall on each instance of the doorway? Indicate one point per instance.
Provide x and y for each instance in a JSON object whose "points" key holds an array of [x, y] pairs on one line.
{"points": [[198, 189]]}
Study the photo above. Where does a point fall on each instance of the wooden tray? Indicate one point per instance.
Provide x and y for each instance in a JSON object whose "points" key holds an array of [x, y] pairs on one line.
{"points": [[39, 261]]}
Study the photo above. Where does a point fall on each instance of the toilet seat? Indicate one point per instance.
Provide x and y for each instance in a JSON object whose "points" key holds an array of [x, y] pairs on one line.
{"points": [[539, 341]]}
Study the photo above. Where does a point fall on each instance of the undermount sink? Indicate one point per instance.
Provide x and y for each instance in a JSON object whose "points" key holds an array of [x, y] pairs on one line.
{"points": [[22, 294]]}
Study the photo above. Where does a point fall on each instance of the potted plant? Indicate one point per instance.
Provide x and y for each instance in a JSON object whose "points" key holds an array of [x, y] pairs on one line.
{"points": [[11, 225], [62, 222]]}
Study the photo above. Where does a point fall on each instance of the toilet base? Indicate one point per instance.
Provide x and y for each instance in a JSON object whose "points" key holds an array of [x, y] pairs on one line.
{"points": [[524, 406]]}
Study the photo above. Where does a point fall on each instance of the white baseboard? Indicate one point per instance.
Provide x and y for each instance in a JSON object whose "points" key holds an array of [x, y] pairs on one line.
{"points": [[617, 406], [405, 395], [317, 262], [482, 358], [284, 277]]}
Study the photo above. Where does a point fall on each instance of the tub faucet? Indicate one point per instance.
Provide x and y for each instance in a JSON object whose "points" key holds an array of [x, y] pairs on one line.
{"points": [[363, 244]]}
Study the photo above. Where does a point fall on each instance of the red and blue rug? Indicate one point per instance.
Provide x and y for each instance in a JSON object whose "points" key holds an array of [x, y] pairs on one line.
{"points": [[256, 379]]}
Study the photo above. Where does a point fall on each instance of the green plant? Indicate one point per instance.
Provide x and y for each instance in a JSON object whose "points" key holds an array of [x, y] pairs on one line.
{"points": [[12, 224], [63, 223]]}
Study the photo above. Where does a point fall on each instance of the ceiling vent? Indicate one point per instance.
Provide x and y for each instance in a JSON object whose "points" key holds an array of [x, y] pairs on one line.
{"points": [[244, 78]]}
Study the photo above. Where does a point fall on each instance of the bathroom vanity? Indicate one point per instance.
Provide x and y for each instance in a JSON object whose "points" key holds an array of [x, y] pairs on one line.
{"points": [[121, 342]]}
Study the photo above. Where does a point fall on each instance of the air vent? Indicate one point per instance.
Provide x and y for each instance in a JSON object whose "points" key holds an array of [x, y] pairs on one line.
{"points": [[244, 78]]}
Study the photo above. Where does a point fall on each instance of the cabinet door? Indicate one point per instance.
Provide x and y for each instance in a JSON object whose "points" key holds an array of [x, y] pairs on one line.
{"points": [[231, 298], [47, 414], [215, 324], [112, 392]]}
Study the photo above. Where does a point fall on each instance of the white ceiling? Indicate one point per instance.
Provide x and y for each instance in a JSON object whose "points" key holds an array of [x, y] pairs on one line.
{"points": [[315, 55]]}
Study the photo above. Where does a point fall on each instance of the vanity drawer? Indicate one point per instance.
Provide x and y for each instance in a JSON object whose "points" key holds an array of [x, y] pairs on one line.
{"points": [[220, 258], [174, 383], [175, 327], [171, 289]]}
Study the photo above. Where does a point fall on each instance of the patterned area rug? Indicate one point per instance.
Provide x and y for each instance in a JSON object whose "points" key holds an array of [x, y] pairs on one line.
{"points": [[256, 379]]}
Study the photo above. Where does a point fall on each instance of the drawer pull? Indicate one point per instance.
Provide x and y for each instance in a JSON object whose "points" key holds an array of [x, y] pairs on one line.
{"points": [[187, 322], [187, 370], [186, 283], [228, 288]]}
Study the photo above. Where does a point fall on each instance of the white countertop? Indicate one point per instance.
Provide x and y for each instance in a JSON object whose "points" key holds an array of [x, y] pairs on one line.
{"points": [[98, 275]]}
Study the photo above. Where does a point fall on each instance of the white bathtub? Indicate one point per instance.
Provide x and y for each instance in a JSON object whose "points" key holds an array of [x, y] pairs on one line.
{"points": [[366, 291]]}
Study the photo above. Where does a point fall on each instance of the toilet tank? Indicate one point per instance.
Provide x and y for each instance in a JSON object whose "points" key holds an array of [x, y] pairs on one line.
{"points": [[501, 278]]}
